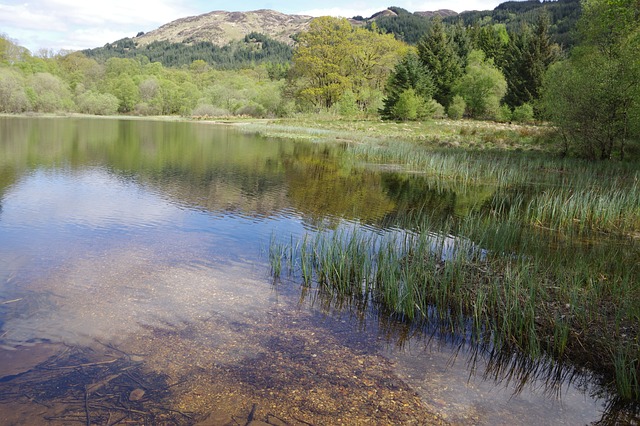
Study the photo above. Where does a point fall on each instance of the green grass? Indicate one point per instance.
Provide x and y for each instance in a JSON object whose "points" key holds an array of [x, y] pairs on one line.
{"points": [[542, 309], [558, 274]]}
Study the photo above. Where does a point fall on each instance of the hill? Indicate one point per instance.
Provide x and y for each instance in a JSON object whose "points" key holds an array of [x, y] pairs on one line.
{"points": [[221, 28], [236, 39]]}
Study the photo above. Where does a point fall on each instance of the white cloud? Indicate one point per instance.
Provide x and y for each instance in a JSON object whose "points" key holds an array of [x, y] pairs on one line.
{"points": [[27, 18], [80, 24]]}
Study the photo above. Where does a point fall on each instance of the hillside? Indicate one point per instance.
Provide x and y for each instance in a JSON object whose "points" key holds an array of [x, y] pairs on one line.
{"points": [[221, 28], [222, 38]]}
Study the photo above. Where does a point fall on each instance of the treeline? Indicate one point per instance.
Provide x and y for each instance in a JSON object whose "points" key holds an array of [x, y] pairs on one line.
{"points": [[562, 14], [254, 49], [76, 83], [491, 72], [477, 72]]}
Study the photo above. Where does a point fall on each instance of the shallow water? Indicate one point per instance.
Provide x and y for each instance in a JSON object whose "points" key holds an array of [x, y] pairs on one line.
{"points": [[133, 256]]}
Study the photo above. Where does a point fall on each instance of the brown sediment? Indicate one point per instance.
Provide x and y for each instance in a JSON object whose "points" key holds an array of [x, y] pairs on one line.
{"points": [[284, 371]]}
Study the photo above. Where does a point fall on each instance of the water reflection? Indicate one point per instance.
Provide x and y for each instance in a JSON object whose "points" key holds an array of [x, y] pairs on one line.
{"points": [[148, 238]]}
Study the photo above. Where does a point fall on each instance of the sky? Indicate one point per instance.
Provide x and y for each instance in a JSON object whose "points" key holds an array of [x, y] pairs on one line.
{"points": [[80, 24]]}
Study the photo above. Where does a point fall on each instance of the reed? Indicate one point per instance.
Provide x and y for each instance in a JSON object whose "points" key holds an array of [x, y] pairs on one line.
{"points": [[544, 261], [506, 301]]}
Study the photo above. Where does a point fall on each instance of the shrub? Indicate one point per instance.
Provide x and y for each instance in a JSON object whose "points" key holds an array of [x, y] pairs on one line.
{"points": [[456, 108], [407, 106], [504, 114], [13, 97], [347, 105], [98, 103], [482, 86], [252, 109], [144, 108], [523, 113], [434, 110], [208, 110]]}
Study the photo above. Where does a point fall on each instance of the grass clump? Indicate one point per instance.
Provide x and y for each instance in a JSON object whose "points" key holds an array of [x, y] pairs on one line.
{"points": [[512, 302]]}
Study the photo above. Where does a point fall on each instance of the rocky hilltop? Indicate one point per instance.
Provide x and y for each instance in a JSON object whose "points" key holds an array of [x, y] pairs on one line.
{"points": [[443, 13], [220, 27]]}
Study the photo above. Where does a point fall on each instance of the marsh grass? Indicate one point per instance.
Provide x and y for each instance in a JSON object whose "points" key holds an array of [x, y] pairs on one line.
{"points": [[500, 299], [546, 264]]}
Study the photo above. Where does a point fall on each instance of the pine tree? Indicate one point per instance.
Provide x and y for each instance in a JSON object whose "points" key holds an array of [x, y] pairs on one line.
{"points": [[409, 73], [440, 58], [529, 55]]}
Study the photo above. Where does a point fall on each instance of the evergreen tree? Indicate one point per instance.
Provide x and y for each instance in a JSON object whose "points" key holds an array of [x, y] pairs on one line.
{"points": [[440, 58], [529, 55], [409, 73]]}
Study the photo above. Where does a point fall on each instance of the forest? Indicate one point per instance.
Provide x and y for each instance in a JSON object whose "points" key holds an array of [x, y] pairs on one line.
{"points": [[571, 64]]}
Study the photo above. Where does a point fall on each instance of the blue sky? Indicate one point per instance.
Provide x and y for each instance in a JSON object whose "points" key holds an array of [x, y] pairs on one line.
{"points": [[80, 24]]}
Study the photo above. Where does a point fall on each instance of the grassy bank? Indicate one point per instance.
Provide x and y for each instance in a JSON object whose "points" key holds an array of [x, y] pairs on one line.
{"points": [[547, 264]]}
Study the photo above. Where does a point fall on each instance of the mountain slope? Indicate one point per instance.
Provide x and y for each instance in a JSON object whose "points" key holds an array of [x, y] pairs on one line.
{"points": [[220, 27]]}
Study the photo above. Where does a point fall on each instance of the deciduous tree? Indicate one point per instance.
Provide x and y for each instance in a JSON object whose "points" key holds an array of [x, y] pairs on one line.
{"points": [[594, 96], [482, 86]]}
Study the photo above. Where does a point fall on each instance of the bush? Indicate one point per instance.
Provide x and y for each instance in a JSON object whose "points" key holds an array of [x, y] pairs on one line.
{"points": [[482, 86], [434, 109], [347, 106], [252, 109], [208, 110], [13, 97], [504, 114], [98, 103], [523, 114], [456, 108], [145, 109], [49, 93], [407, 106]]}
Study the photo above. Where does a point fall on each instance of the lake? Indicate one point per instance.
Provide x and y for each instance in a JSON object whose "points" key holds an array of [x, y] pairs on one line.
{"points": [[135, 286]]}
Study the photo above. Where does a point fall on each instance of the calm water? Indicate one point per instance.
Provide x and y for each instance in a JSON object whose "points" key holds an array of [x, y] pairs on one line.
{"points": [[133, 258]]}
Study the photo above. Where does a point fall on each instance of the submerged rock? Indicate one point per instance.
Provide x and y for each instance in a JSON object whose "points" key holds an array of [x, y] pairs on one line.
{"points": [[136, 395]]}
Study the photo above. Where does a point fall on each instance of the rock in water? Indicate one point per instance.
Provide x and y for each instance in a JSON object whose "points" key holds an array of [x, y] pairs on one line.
{"points": [[136, 395]]}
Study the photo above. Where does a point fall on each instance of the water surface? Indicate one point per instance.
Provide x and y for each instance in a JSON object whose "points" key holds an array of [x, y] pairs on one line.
{"points": [[133, 258]]}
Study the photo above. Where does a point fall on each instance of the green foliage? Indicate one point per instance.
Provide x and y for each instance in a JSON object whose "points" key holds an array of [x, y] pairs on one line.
{"points": [[406, 26], [593, 97], [529, 55], [407, 106], [252, 109], [49, 93], [255, 48], [125, 90], [333, 57], [434, 110], [97, 103], [10, 52], [409, 73], [347, 105], [438, 55], [523, 113], [13, 97], [493, 40], [563, 14], [505, 114], [456, 108], [208, 110], [482, 86]]}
